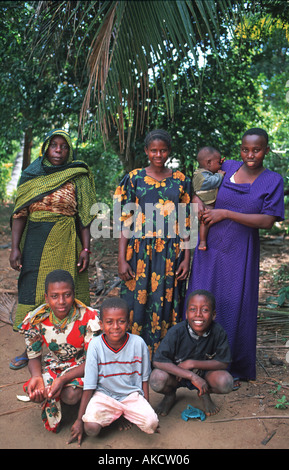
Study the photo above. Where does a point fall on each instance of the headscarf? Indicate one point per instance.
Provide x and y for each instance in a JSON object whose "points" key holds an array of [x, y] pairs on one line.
{"points": [[41, 178], [47, 141]]}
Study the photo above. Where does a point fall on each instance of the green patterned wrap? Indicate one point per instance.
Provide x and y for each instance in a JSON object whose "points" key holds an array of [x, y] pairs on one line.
{"points": [[51, 240]]}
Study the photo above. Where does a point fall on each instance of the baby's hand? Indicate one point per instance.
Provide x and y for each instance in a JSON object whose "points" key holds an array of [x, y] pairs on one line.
{"points": [[222, 172]]}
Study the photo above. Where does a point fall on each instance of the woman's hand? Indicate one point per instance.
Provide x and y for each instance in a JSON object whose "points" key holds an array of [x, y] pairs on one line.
{"points": [[125, 271], [15, 259], [36, 389], [183, 270], [83, 261], [18, 226], [212, 216], [258, 221]]}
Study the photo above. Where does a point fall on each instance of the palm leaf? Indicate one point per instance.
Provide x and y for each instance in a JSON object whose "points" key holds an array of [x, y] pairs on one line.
{"points": [[133, 44]]}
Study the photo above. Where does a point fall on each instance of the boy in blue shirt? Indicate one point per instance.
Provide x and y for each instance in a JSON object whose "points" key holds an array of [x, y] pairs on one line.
{"points": [[194, 354], [117, 371]]}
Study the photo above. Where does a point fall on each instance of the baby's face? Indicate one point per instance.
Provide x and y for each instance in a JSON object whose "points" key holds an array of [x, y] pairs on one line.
{"points": [[216, 163]]}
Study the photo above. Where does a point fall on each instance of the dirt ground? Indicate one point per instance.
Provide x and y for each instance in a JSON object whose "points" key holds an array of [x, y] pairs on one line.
{"points": [[248, 417]]}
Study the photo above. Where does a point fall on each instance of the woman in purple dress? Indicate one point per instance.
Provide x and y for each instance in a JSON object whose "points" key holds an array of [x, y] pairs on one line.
{"points": [[251, 197]]}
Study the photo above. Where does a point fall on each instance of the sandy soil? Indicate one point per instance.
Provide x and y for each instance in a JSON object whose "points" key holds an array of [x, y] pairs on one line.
{"points": [[248, 418]]}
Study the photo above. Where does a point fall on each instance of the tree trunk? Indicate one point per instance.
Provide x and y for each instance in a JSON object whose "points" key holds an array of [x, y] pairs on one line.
{"points": [[27, 148], [16, 172]]}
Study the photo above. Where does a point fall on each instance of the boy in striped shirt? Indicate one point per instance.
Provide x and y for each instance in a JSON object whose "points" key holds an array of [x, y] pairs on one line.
{"points": [[116, 376]]}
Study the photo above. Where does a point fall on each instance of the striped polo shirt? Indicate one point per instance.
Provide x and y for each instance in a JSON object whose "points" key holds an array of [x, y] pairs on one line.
{"points": [[117, 373]]}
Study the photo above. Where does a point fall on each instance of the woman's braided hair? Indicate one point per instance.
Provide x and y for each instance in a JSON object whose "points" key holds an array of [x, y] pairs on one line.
{"points": [[158, 134]]}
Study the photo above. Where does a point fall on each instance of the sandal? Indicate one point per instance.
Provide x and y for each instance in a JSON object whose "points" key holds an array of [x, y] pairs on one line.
{"points": [[23, 359], [237, 384]]}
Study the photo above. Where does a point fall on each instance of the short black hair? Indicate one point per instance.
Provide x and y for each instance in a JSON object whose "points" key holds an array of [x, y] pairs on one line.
{"points": [[158, 134], [206, 151], [205, 293], [59, 275], [257, 131], [113, 302]]}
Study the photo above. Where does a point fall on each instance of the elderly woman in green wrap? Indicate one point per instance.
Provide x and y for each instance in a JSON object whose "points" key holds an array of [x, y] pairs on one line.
{"points": [[51, 225]]}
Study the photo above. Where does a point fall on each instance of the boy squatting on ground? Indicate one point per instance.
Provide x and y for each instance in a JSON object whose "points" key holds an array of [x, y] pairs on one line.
{"points": [[194, 354], [206, 181], [117, 371]]}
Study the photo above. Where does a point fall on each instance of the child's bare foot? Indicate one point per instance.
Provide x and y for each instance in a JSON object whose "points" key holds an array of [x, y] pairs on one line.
{"points": [[124, 424], [210, 407], [202, 246], [166, 404]]}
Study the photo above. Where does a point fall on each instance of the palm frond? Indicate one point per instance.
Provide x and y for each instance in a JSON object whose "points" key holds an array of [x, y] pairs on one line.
{"points": [[133, 44]]}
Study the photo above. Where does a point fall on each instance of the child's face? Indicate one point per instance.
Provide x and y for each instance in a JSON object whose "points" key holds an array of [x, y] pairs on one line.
{"points": [[215, 163], [200, 314], [114, 325], [60, 298], [253, 150], [157, 152]]}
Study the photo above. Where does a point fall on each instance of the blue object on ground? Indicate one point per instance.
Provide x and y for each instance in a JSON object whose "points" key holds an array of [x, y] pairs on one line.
{"points": [[191, 412]]}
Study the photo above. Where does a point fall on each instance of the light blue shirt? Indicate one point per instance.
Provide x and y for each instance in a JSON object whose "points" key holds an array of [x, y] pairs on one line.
{"points": [[117, 373]]}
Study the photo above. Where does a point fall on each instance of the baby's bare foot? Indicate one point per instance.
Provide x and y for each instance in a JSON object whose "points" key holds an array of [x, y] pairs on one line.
{"points": [[202, 246], [166, 404], [210, 407]]}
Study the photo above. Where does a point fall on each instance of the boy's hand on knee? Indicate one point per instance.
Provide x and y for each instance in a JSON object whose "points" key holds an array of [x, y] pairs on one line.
{"points": [[76, 432], [201, 384]]}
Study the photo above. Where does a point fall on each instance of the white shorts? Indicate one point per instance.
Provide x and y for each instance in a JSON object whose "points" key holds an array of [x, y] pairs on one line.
{"points": [[103, 410]]}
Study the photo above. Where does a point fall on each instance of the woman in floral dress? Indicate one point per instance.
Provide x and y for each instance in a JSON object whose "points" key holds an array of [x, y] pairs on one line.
{"points": [[153, 262]]}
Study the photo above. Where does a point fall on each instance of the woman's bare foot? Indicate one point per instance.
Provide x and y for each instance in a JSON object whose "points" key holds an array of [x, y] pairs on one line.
{"points": [[210, 407], [166, 404]]}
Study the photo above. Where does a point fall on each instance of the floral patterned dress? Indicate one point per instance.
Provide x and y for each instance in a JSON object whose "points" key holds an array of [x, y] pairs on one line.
{"points": [[67, 343], [154, 250]]}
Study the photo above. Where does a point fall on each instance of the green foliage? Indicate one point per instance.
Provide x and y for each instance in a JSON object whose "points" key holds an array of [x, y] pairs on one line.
{"points": [[280, 277], [215, 113], [128, 41], [242, 83], [105, 165], [283, 296], [282, 403], [5, 175]]}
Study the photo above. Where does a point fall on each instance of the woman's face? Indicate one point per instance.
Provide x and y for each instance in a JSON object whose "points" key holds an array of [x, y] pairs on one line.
{"points": [[253, 150], [157, 152], [58, 150]]}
